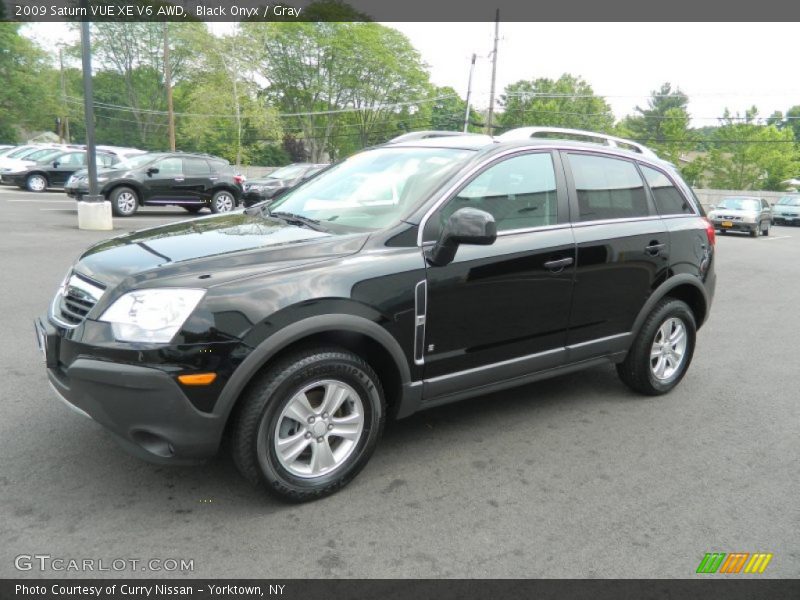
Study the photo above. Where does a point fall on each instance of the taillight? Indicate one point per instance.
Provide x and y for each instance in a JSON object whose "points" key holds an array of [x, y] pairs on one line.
{"points": [[711, 232], [239, 179]]}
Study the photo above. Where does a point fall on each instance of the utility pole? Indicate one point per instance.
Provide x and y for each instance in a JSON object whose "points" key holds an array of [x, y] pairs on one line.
{"points": [[469, 92], [63, 132], [94, 211], [494, 72], [168, 83]]}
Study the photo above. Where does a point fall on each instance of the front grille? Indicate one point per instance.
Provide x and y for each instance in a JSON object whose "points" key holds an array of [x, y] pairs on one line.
{"points": [[729, 218], [74, 301]]}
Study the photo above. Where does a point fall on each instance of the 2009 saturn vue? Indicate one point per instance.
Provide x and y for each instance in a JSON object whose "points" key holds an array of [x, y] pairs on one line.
{"points": [[405, 277]]}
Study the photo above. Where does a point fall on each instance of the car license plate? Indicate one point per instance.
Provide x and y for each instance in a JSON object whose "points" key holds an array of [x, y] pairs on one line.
{"points": [[727, 223]]}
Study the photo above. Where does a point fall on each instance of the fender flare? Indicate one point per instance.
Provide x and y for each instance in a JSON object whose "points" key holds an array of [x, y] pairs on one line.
{"points": [[663, 290], [262, 353]]}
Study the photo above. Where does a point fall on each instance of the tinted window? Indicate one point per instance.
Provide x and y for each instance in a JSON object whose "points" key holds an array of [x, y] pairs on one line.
{"points": [[668, 199], [105, 160], [195, 166], [520, 193], [608, 188], [169, 166], [220, 166], [74, 159]]}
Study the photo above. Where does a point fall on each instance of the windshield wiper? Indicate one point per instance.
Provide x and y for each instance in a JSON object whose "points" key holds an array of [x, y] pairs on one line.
{"points": [[295, 219]]}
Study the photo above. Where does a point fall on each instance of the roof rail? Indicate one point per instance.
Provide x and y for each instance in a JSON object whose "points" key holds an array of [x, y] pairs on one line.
{"points": [[424, 135], [523, 133]]}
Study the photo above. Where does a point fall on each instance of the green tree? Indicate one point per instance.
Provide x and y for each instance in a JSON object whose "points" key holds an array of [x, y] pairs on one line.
{"points": [[225, 115], [27, 84], [791, 120], [568, 101], [344, 84], [749, 156]]}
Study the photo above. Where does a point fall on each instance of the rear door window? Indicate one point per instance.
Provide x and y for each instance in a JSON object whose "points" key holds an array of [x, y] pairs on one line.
{"points": [[196, 167], [607, 188]]}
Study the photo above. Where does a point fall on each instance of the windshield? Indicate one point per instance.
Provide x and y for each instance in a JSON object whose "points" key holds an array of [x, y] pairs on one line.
{"points": [[789, 201], [740, 204], [24, 151], [134, 162], [288, 172], [372, 189], [44, 154]]}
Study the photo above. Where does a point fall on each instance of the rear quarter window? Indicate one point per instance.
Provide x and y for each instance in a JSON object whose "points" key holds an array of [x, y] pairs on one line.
{"points": [[668, 199]]}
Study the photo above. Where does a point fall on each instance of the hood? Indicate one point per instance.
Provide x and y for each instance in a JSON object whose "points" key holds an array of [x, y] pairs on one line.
{"points": [[735, 211], [15, 164], [219, 248], [266, 182]]}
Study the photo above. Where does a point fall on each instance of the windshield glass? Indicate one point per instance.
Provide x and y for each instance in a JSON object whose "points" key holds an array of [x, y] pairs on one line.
{"points": [[789, 201], [289, 172], [372, 189], [740, 204], [44, 154], [23, 151], [134, 162]]}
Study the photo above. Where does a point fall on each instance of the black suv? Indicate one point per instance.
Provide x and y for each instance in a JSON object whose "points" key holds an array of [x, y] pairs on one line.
{"points": [[191, 181], [54, 169], [405, 277]]}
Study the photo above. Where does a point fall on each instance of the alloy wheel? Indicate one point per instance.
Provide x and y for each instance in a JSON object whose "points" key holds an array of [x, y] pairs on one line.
{"points": [[126, 203], [223, 202], [319, 428], [669, 349]]}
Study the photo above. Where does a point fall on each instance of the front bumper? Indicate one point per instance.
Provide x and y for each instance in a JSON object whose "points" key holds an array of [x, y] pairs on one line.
{"points": [[76, 191], [787, 219], [12, 179], [725, 225], [251, 197], [143, 407]]}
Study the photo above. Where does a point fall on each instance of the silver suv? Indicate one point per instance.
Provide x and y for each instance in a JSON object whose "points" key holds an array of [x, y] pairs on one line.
{"points": [[742, 213]]}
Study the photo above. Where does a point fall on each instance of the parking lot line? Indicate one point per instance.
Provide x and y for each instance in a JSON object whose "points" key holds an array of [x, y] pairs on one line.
{"points": [[777, 237], [45, 201]]}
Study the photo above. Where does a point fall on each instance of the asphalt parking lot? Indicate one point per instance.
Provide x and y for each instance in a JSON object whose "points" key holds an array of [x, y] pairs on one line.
{"points": [[571, 477]]}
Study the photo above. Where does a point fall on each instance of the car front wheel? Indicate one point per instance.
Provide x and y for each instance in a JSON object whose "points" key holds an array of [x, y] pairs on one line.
{"points": [[124, 201], [662, 350], [36, 183], [223, 201], [309, 424]]}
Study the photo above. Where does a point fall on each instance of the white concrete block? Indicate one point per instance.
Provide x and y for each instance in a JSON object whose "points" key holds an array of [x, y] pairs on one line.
{"points": [[95, 216]]}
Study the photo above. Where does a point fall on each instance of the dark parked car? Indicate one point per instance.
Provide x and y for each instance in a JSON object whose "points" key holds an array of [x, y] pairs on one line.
{"points": [[54, 170], [786, 211], [191, 181], [277, 182], [296, 329]]}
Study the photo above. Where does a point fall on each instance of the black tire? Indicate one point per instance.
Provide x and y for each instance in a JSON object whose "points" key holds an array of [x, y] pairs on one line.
{"points": [[36, 182], [192, 209], [635, 371], [223, 201], [124, 201], [765, 231], [260, 413]]}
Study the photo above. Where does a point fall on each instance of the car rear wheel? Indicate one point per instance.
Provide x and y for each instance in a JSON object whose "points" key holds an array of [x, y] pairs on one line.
{"points": [[309, 424], [223, 201], [124, 201], [36, 183], [662, 351]]}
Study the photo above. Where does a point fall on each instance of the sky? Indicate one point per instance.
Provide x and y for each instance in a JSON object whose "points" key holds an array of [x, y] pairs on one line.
{"points": [[719, 65]]}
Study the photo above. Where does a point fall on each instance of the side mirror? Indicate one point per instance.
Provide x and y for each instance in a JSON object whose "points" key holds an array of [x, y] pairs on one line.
{"points": [[55, 164], [465, 226], [152, 171]]}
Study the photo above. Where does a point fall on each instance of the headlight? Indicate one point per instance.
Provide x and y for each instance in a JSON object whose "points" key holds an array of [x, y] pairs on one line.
{"points": [[153, 315], [102, 179]]}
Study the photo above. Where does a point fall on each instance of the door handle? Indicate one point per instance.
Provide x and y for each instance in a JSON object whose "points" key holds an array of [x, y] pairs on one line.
{"points": [[179, 179], [654, 249], [559, 265]]}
